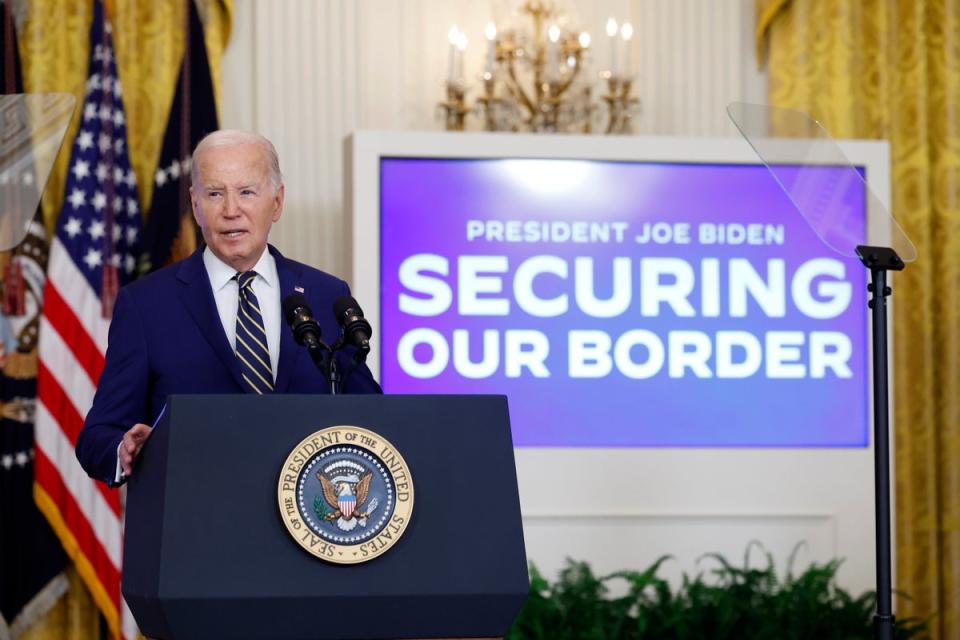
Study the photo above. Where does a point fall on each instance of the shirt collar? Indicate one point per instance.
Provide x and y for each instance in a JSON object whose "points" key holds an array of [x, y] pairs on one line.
{"points": [[220, 273]]}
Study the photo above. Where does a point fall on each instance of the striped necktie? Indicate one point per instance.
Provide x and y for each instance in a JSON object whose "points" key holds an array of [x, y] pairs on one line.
{"points": [[252, 349]]}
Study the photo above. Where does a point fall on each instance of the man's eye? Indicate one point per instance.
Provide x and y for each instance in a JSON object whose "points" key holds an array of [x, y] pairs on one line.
{"points": [[248, 192], [215, 194]]}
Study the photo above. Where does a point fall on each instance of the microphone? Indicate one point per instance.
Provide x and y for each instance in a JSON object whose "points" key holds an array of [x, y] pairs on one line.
{"points": [[356, 330], [299, 316]]}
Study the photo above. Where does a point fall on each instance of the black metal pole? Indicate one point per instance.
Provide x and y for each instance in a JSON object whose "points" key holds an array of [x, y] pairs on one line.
{"points": [[334, 374], [879, 261], [323, 357]]}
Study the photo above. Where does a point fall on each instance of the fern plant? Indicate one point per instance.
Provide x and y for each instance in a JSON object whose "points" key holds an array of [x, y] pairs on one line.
{"points": [[729, 602]]}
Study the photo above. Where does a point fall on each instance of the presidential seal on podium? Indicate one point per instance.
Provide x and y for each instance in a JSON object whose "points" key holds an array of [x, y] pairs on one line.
{"points": [[345, 494]]}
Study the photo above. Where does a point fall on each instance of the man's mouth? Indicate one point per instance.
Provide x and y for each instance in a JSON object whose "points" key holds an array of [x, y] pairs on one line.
{"points": [[233, 234]]}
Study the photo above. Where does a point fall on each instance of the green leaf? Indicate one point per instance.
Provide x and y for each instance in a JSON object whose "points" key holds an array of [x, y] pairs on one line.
{"points": [[320, 507], [723, 601]]}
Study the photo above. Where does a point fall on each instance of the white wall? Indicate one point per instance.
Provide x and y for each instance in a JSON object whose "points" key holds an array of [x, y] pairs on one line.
{"points": [[308, 72]]}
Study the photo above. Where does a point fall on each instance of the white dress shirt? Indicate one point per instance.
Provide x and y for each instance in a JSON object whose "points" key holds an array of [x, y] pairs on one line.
{"points": [[226, 295]]}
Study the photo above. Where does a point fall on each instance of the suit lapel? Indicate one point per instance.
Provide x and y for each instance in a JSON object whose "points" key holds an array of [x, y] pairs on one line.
{"points": [[290, 351], [197, 297]]}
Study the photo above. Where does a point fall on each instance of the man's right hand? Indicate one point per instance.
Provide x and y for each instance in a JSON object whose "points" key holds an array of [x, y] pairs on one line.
{"points": [[133, 441]]}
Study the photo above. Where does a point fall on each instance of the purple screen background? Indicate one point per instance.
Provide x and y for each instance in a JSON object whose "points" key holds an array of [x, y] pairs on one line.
{"points": [[425, 204]]}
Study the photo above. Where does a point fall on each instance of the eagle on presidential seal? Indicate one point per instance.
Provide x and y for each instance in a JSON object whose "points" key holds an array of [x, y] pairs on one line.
{"points": [[346, 493]]}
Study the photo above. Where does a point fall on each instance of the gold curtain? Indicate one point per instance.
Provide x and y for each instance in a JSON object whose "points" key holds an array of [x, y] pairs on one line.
{"points": [[891, 69], [149, 42]]}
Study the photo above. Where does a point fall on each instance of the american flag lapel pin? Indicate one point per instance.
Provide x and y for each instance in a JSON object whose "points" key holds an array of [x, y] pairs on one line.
{"points": [[298, 289]]}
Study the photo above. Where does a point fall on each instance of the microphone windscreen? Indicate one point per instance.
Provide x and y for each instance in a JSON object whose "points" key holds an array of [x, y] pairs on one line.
{"points": [[293, 302], [343, 304]]}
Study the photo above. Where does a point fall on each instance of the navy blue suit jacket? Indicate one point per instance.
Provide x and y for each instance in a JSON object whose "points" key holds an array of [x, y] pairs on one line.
{"points": [[166, 337]]}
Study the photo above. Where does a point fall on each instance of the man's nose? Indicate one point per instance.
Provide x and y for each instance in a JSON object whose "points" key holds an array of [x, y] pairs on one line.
{"points": [[231, 205]]}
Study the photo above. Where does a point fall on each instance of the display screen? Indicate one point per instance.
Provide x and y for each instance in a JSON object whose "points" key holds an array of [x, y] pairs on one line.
{"points": [[623, 304]]}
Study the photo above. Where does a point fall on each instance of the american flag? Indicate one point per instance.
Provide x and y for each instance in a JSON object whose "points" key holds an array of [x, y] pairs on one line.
{"points": [[92, 254]]}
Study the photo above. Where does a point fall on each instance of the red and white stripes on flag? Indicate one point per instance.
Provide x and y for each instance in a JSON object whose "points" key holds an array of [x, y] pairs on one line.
{"points": [[90, 257], [85, 514]]}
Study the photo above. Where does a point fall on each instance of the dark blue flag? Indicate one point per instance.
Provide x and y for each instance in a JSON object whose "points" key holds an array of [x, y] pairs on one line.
{"points": [[169, 233]]}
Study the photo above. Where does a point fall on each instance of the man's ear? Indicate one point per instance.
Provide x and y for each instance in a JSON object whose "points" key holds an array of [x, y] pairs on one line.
{"points": [[278, 203]]}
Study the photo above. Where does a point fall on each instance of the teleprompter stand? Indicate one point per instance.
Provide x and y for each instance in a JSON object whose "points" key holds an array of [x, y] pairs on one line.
{"points": [[830, 193], [879, 260], [207, 555]]}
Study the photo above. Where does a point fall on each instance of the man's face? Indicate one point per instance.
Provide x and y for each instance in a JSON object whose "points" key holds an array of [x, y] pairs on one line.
{"points": [[234, 203]]}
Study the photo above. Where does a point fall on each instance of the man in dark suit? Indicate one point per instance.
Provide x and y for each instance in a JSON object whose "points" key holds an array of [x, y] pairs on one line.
{"points": [[212, 323]]}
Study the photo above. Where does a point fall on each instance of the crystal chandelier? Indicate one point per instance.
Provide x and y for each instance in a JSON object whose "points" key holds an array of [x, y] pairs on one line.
{"points": [[538, 78]]}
